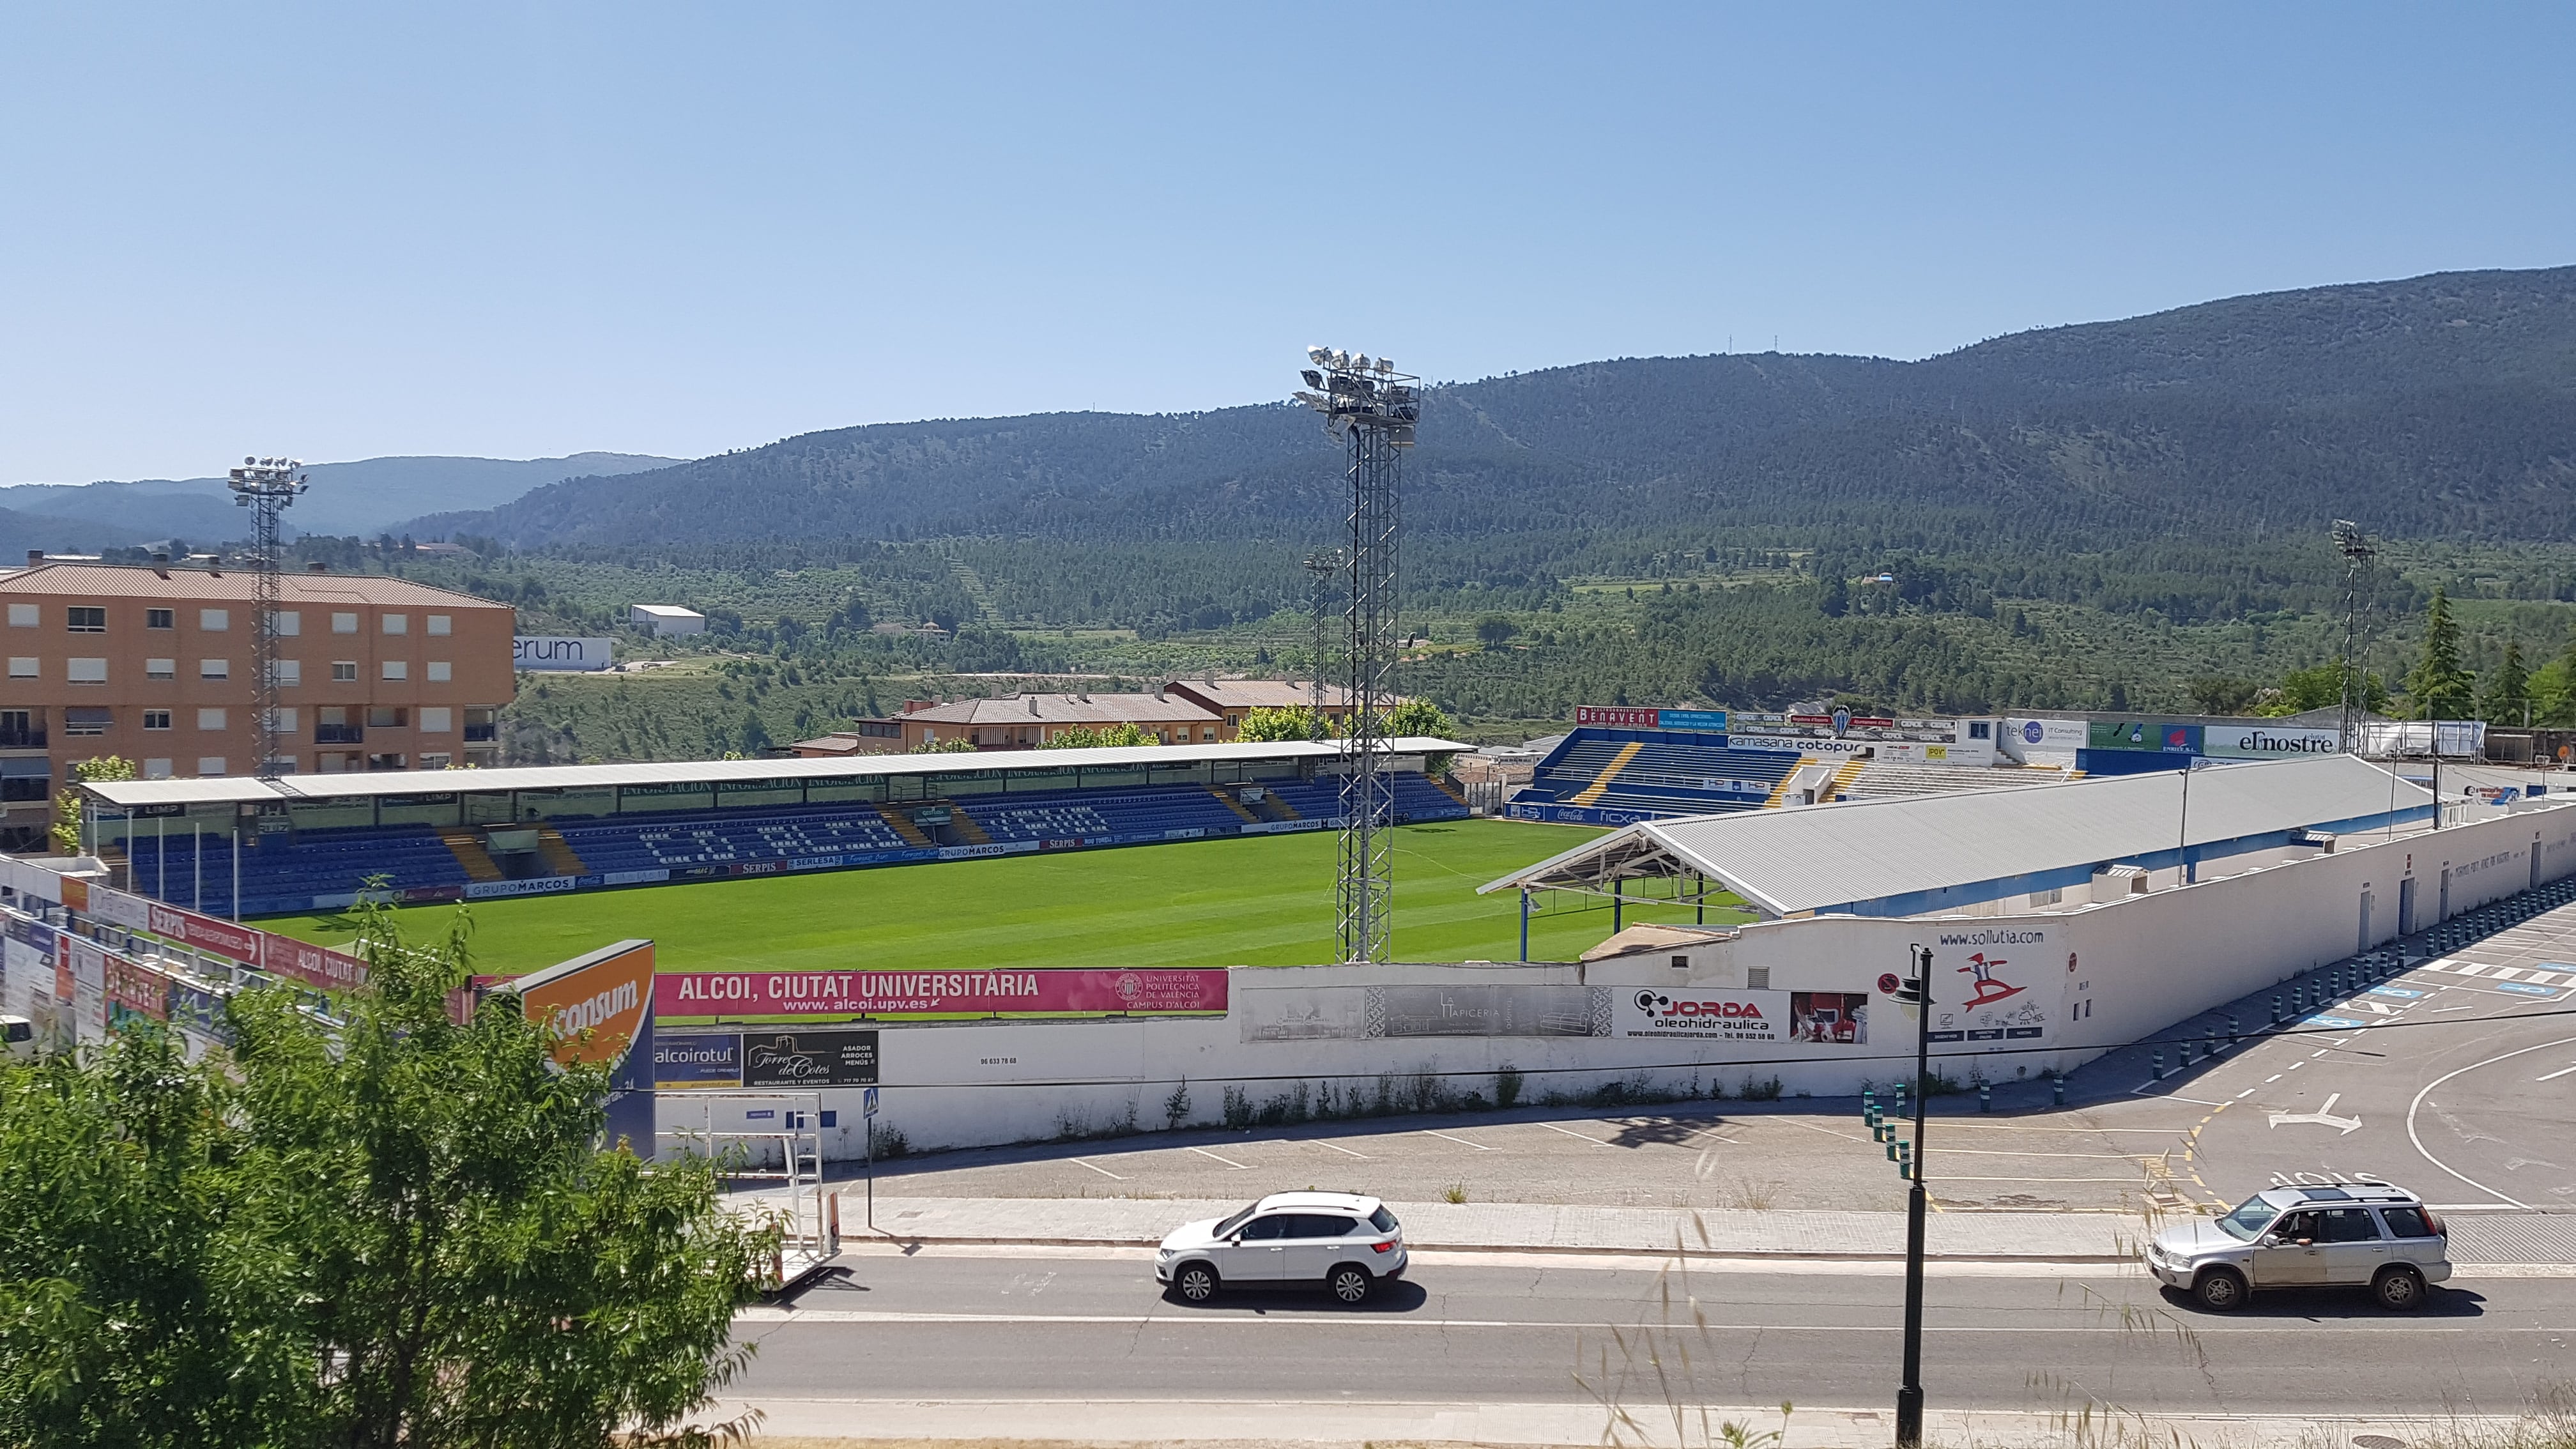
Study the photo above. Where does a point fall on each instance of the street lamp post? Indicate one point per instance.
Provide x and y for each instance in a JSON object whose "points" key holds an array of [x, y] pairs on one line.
{"points": [[1909, 1394]]}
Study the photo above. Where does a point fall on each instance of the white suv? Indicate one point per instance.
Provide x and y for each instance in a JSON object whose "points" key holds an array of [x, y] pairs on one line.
{"points": [[1343, 1242], [2358, 1235]]}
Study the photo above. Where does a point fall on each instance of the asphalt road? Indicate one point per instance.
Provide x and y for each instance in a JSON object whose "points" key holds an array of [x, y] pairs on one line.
{"points": [[1074, 1325]]}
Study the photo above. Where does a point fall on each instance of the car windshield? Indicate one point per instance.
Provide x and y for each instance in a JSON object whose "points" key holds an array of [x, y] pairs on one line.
{"points": [[2248, 1221], [1233, 1222], [1382, 1220]]}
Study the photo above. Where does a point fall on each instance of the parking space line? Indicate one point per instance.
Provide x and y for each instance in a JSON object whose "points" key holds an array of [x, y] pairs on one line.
{"points": [[2554, 1076], [1996, 1152], [1104, 1172], [1228, 1161], [1461, 1141], [1346, 1152], [1552, 1127]]}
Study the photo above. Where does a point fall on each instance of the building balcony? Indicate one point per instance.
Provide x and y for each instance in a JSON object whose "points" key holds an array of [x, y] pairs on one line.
{"points": [[481, 733], [339, 734], [26, 739]]}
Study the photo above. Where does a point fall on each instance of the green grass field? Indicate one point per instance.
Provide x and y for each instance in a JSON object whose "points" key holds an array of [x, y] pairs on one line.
{"points": [[1262, 900]]}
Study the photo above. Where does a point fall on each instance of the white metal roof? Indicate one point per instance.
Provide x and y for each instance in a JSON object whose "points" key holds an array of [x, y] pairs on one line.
{"points": [[127, 794], [1785, 861]]}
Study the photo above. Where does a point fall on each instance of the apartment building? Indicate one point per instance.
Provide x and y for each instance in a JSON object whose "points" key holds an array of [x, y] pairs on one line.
{"points": [[153, 663]]}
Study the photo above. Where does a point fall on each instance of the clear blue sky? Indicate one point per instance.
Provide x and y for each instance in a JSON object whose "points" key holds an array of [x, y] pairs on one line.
{"points": [[520, 229]]}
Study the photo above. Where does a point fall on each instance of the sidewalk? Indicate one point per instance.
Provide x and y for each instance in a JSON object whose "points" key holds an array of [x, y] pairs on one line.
{"points": [[1240, 1424], [2060, 1237]]}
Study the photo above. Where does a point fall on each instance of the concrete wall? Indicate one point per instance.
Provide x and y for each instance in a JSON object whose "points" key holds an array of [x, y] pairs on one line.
{"points": [[2076, 981]]}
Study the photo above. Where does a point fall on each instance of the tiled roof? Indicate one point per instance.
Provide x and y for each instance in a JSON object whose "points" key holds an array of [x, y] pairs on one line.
{"points": [[119, 581], [1257, 693], [1063, 709]]}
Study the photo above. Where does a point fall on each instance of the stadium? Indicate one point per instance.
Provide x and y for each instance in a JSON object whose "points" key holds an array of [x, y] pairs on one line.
{"points": [[1013, 972]]}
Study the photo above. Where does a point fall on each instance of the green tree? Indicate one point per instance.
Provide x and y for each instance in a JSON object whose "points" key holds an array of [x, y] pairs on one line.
{"points": [[2221, 694], [1420, 717], [2553, 687], [943, 747], [1495, 630], [1086, 737], [2508, 692], [66, 833], [401, 1229], [1265, 726], [2438, 687]]}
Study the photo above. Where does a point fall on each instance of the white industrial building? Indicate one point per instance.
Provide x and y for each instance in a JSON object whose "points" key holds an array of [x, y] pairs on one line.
{"points": [[664, 620]]}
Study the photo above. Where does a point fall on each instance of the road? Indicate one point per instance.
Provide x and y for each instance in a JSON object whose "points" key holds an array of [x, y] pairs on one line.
{"points": [[1083, 1325]]}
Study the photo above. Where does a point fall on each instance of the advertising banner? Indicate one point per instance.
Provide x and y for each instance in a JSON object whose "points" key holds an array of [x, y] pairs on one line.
{"points": [[1624, 717], [294, 960], [1840, 1017], [593, 1006], [809, 1059], [1996, 1009], [2267, 742], [821, 996], [86, 961], [2140, 734], [206, 933], [198, 1012], [135, 990], [541, 652], [119, 908], [684, 1062], [1689, 1015]]}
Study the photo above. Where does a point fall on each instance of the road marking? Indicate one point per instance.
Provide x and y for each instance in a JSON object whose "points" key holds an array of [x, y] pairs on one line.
{"points": [[2323, 1116], [1997, 1152], [1463, 1142], [2267, 1081], [1552, 1127], [1104, 1172], [1228, 1161], [2417, 1139], [1343, 1323], [2554, 1076], [2241, 1096], [2506, 973], [1346, 1152], [2520, 989]]}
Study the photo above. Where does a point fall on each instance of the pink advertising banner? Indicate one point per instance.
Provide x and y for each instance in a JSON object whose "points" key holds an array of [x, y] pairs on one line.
{"points": [[313, 965], [816, 996], [206, 933]]}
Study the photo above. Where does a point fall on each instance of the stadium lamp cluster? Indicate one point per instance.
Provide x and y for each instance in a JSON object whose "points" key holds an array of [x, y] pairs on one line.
{"points": [[266, 475], [1361, 389]]}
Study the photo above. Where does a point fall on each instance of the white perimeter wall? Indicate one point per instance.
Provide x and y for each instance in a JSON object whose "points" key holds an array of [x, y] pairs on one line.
{"points": [[2089, 979]]}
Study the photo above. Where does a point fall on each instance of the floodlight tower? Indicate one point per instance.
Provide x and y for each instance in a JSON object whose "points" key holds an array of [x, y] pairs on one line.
{"points": [[1372, 408], [265, 486], [1324, 565], [2357, 553]]}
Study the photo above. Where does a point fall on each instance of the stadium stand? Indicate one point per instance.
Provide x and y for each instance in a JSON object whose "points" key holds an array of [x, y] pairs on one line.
{"points": [[1606, 776], [1884, 779], [278, 874], [682, 839]]}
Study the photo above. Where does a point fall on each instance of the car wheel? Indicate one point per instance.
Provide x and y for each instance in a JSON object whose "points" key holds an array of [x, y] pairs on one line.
{"points": [[2220, 1290], [1351, 1283], [1195, 1282], [2399, 1290]]}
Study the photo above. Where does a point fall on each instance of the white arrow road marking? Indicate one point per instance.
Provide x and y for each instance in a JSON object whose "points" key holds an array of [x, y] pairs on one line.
{"points": [[2322, 1116], [2375, 1007]]}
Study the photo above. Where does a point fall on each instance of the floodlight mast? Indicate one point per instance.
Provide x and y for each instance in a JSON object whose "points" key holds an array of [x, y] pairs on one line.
{"points": [[265, 486], [2357, 553], [1372, 408]]}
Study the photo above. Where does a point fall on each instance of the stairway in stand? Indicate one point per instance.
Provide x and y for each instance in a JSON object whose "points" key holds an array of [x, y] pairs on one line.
{"points": [[466, 845]]}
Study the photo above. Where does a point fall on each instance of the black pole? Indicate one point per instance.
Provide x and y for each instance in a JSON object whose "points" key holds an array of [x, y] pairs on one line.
{"points": [[1909, 1396]]}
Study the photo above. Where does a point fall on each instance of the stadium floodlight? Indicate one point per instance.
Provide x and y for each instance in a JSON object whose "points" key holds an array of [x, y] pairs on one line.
{"points": [[1363, 364], [265, 486], [1320, 356]]}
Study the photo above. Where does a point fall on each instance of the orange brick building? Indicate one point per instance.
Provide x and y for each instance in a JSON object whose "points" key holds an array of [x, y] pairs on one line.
{"points": [[154, 664]]}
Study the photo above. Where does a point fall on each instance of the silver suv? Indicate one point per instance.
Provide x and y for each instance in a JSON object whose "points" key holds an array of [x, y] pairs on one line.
{"points": [[2356, 1235]]}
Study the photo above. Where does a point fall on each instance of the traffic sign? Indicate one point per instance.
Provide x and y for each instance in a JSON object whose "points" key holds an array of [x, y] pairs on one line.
{"points": [[868, 1104]]}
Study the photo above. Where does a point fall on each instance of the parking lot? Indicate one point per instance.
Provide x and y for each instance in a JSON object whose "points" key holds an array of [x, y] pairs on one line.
{"points": [[2455, 1077]]}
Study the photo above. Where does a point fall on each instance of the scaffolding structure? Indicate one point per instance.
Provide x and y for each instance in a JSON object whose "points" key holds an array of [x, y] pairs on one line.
{"points": [[265, 486], [1372, 408], [2357, 553], [806, 1212]]}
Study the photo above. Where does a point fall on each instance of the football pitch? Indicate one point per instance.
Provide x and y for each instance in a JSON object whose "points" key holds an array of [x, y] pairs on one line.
{"points": [[1262, 900]]}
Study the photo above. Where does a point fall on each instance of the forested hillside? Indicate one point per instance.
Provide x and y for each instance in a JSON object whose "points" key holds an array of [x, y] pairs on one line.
{"points": [[2435, 407]]}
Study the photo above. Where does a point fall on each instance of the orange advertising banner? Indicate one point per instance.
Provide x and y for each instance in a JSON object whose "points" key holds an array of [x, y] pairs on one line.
{"points": [[592, 1006]]}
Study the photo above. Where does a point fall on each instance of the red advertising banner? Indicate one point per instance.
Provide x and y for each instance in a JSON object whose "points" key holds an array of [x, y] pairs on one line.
{"points": [[1618, 716], [206, 933], [137, 988], [313, 965], [803, 996]]}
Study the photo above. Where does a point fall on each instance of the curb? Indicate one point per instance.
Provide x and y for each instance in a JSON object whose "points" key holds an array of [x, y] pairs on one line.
{"points": [[1790, 1255]]}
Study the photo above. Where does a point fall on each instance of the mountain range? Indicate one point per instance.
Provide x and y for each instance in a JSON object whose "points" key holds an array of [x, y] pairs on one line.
{"points": [[365, 497], [2442, 405]]}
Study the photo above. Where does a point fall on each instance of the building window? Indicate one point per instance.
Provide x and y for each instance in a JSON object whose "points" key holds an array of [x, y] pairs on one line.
{"points": [[1979, 729], [281, 720], [440, 623], [78, 721], [24, 666], [160, 668], [344, 671], [1757, 978], [440, 671], [290, 672], [156, 769], [156, 719], [22, 616], [437, 762], [397, 669], [85, 671], [214, 669], [344, 623], [217, 620], [436, 720], [86, 620], [286, 623], [210, 719], [161, 619], [397, 623], [210, 764], [387, 717]]}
